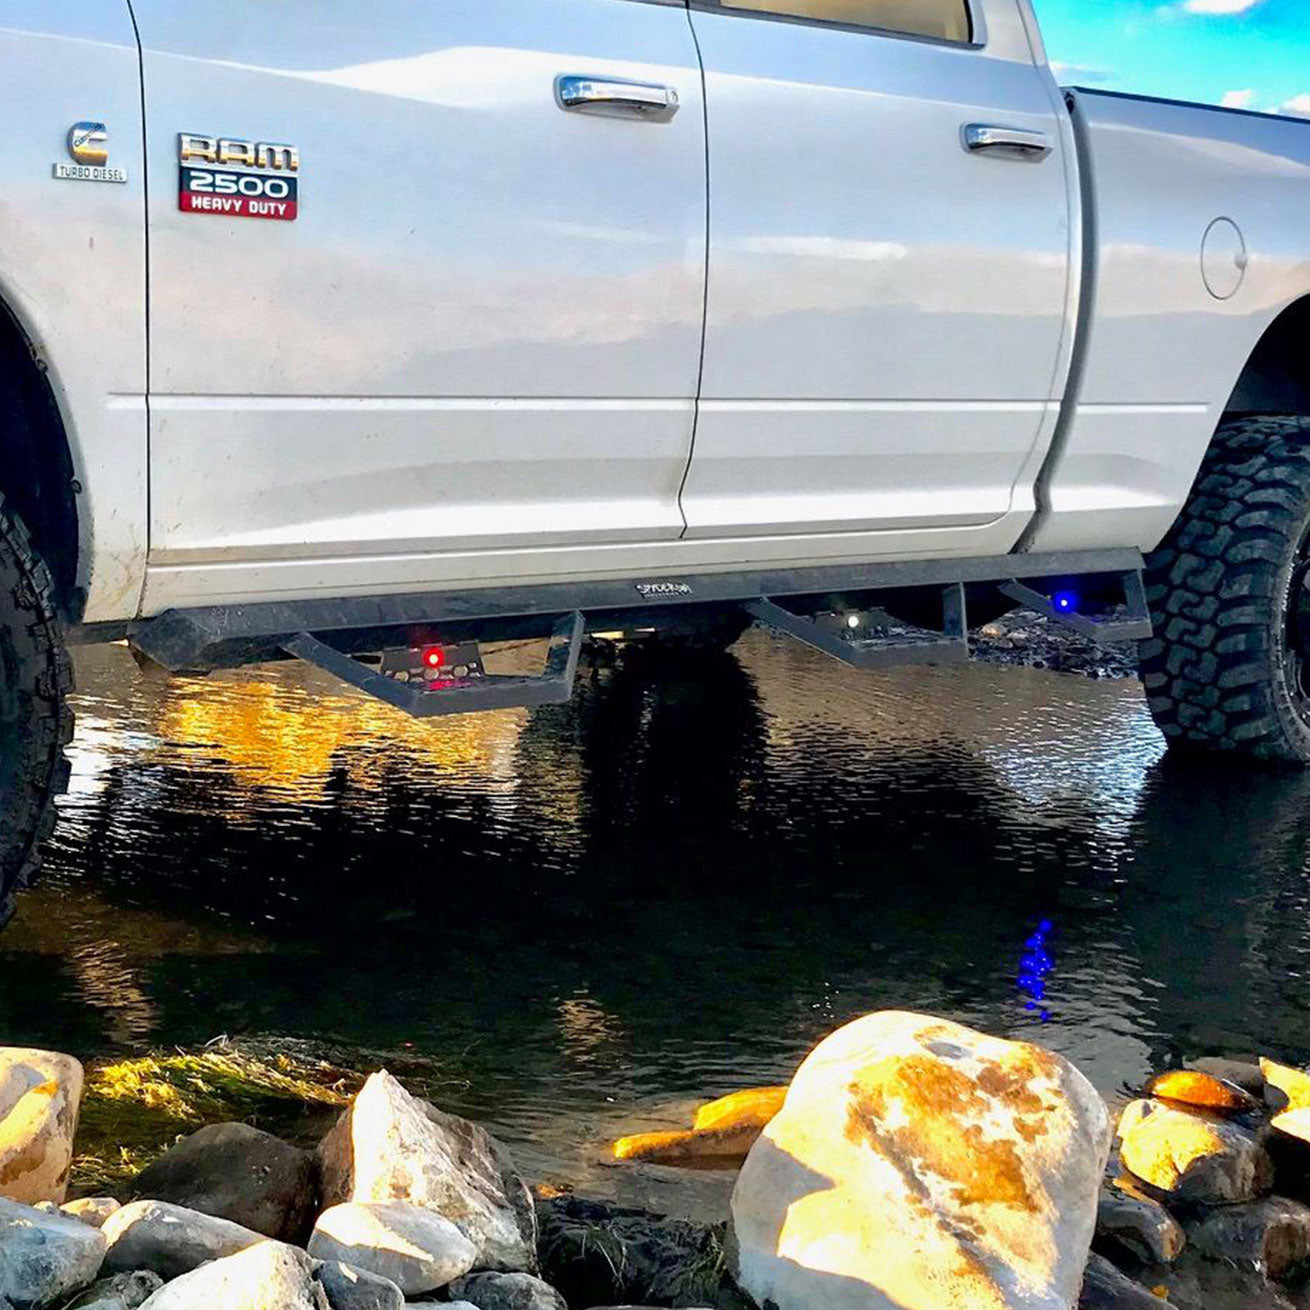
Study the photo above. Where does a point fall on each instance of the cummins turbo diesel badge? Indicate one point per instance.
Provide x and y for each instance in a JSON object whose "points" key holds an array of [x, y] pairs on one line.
{"points": [[241, 179]]}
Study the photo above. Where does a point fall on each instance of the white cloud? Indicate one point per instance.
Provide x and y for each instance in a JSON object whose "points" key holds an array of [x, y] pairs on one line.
{"points": [[1219, 6], [1297, 106], [1237, 99]]}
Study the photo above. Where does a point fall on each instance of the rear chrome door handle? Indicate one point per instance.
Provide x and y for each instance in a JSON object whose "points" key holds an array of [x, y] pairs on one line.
{"points": [[615, 98], [1006, 142]]}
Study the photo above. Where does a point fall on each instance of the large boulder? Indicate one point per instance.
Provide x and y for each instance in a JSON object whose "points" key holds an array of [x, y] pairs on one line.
{"points": [[40, 1092], [1194, 1155], [919, 1165], [269, 1276], [508, 1292], [45, 1259], [412, 1246], [170, 1240], [239, 1173], [390, 1146]]}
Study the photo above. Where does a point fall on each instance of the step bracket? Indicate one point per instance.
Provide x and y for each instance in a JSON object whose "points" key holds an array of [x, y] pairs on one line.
{"points": [[901, 644], [554, 686]]}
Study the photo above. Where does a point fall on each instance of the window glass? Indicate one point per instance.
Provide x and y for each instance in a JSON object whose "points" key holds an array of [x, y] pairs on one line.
{"points": [[948, 20]]}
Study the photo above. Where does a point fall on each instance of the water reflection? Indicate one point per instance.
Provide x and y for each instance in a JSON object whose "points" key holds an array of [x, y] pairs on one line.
{"points": [[585, 916]]}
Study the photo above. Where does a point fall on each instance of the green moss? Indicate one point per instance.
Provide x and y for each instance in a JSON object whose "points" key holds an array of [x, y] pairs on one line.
{"points": [[134, 1110]]}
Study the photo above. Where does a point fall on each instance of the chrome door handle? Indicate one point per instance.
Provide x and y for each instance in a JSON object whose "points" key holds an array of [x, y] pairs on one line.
{"points": [[1010, 142], [616, 98]]}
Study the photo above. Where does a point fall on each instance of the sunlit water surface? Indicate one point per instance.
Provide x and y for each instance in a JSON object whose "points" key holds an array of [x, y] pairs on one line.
{"points": [[580, 920]]}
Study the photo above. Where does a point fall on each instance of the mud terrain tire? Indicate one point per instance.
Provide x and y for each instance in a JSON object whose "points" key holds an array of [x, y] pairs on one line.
{"points": [[1229, 665], [36, 722]]}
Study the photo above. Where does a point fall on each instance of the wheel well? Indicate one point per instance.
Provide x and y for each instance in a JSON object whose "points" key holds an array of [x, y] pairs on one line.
{"points": [[36, 466], [1276, 379]]}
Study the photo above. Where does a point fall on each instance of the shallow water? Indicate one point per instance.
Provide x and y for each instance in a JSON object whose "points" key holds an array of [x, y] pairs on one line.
{"points": [[584, 918]]}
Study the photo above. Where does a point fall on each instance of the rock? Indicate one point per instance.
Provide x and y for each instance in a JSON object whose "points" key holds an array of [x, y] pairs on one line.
{"points": [[45, 1259], [1129, 1217], [1242, 1073], [170, 1240], [93, 1210], [349, 1288], [724, 1131], [389, 1146], [119, 1292], [1193, 1155], [1272, 1235], [236, 1172], [40, 1092], [414, 1247], [508, 1292], [1293, 1083], [921, 1165], [267, 1276], [1105, 1288], [596, 1253], [1203, 1090]]}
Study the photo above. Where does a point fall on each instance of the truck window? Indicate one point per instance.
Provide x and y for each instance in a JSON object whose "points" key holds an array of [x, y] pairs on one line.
{"points": [[946, 20]]}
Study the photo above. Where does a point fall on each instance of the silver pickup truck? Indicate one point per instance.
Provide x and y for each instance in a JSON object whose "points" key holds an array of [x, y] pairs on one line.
{"points": [[373, 333]]}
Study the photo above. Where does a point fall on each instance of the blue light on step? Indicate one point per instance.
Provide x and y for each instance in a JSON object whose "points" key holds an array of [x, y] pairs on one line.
{"points": [[1065, 602]]}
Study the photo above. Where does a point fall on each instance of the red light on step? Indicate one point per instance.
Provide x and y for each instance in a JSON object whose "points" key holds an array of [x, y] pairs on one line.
{"points": [[433, 657]]}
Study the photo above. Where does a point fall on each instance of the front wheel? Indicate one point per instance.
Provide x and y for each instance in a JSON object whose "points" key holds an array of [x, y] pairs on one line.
{"points": [[36, 722], [1229, 590]]}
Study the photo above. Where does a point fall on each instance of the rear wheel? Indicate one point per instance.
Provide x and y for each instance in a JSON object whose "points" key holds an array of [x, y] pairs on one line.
{"points": [[36, 722], [1229, 665]]}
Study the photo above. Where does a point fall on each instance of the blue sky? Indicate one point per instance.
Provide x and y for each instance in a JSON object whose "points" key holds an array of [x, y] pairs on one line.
{"points": [[1250, 54]]}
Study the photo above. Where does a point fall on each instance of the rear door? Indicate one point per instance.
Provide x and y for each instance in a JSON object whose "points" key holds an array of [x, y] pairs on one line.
{"points": [[887, 286], [479, 325]]}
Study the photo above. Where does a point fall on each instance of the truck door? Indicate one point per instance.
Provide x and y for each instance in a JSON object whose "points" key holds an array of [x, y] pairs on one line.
{"points": [[427, 279], [889, 271]]}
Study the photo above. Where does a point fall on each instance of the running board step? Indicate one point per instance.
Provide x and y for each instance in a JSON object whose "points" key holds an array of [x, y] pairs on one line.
{"points": [[900, 644], [1133, 625], [471, 695]]}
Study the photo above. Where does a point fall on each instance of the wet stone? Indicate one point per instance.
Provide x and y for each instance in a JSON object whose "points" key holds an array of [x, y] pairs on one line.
{"points": [[1193, 1155], [1203, 1090], [1127, 1216], [1272, 1235]]}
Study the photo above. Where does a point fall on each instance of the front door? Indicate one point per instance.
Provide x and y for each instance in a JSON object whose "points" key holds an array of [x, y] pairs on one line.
{"points": [[887, 291], [478, 327]]}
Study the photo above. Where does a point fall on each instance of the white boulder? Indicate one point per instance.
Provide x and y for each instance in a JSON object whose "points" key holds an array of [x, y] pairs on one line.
{"points": [[40, 1092], [918, 1165], [45, 1259], [413, 1247], [268, 1276], [390, 1146]]}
